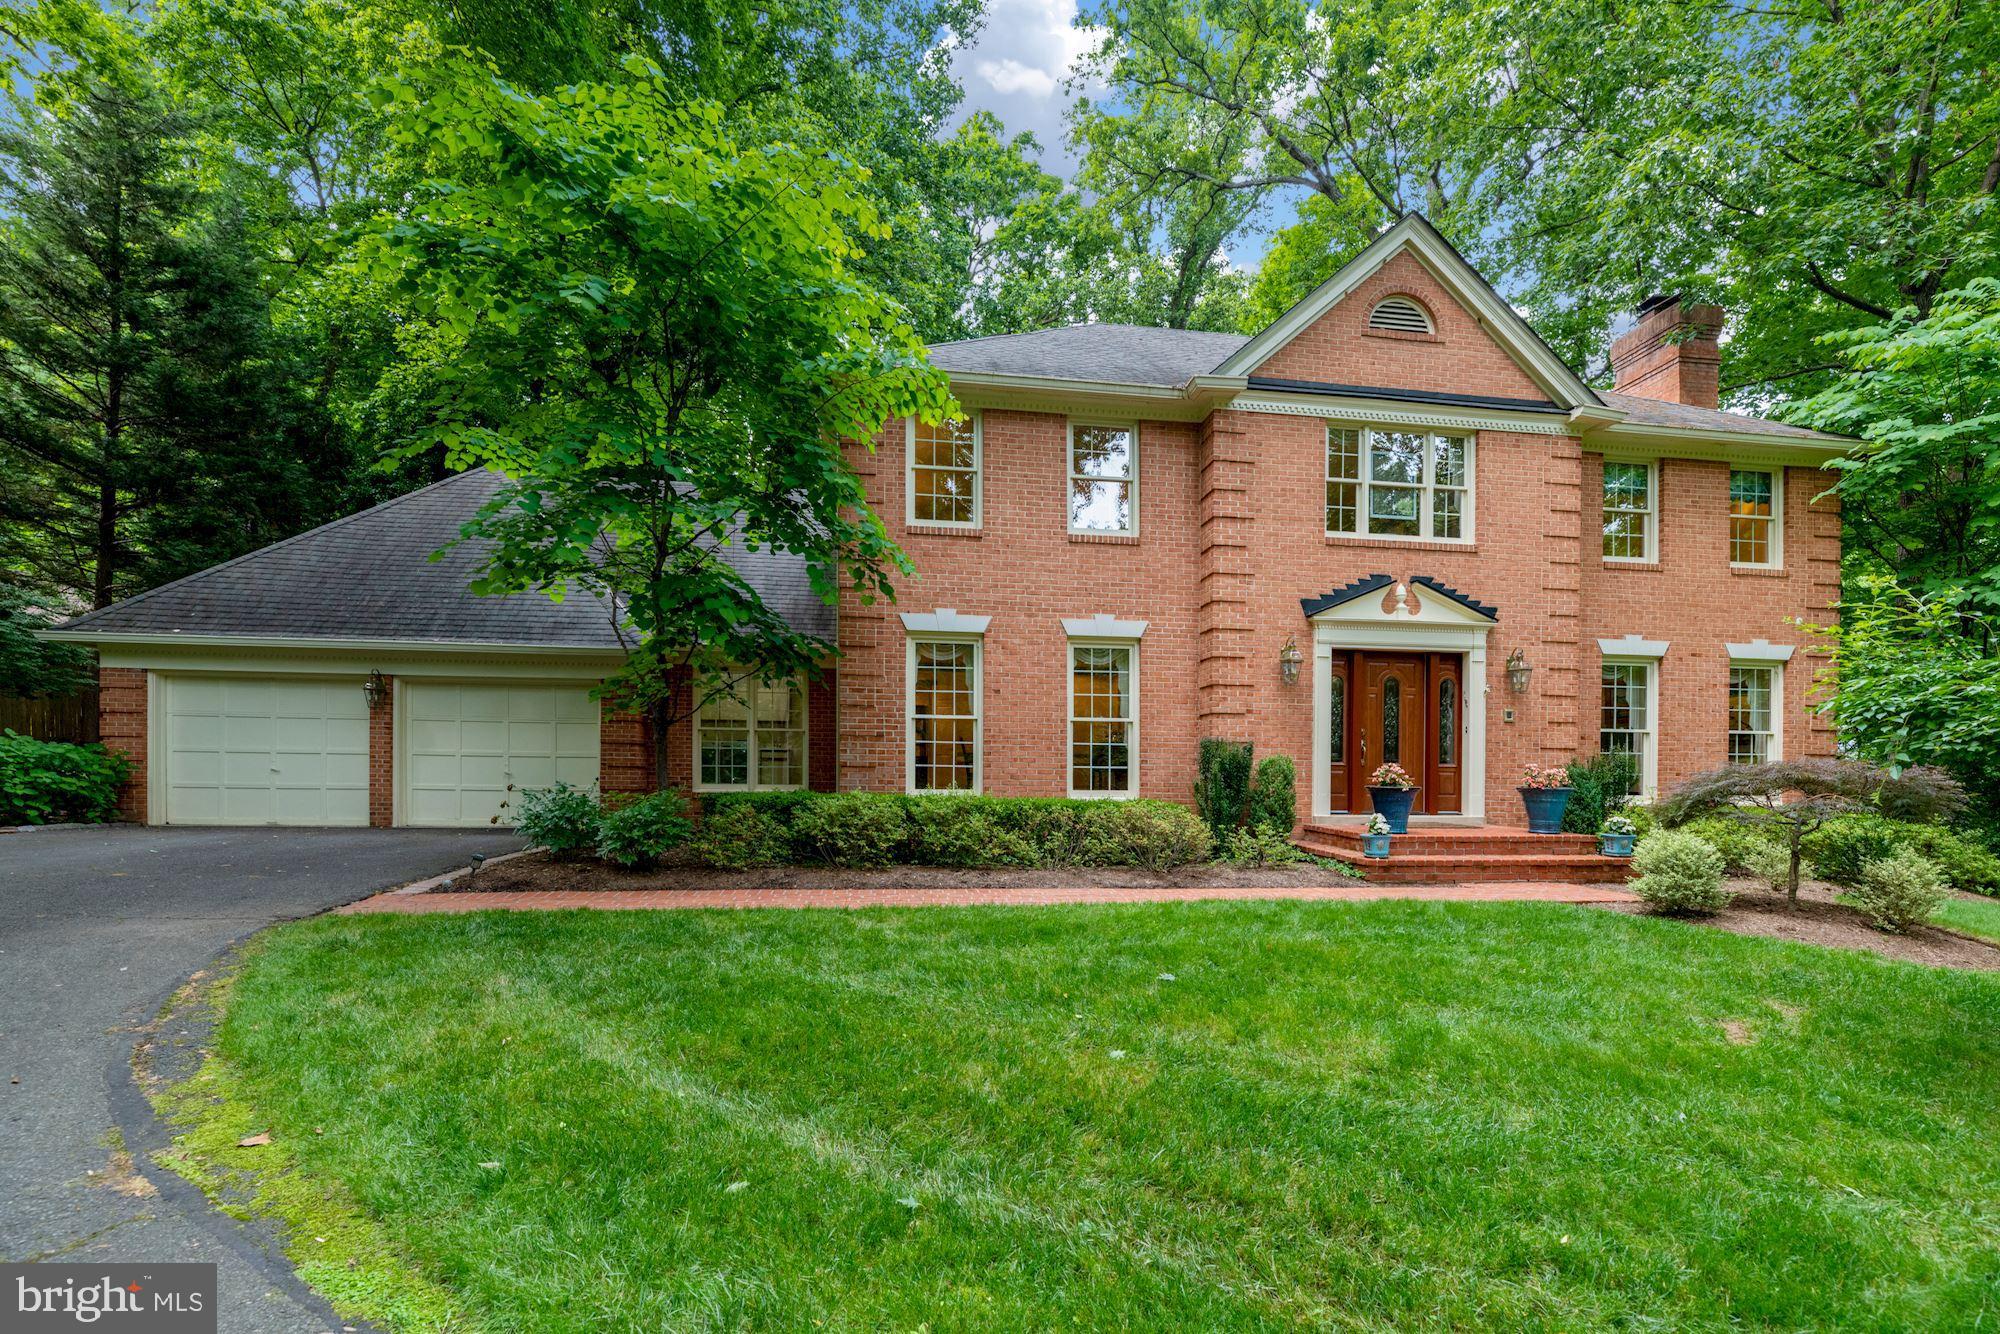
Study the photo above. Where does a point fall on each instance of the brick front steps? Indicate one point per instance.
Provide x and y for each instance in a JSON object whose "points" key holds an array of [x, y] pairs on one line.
{"points": [[1459, 855]]}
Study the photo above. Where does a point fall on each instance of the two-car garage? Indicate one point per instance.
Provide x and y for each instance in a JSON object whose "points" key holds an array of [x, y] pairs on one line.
{"points": [[245, 749]]}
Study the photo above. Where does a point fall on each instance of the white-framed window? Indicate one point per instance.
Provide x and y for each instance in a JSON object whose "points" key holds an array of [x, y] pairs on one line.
{"points": [[1103, 478], [1630, 511], [1756, 505], [1625, 716], [750, 736], [1755, 697], [942, 478], [1398, 484], [944, 714], [1103, 719]]}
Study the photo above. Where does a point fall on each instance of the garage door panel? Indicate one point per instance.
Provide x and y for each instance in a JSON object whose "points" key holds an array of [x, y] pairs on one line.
{"points": [[469, 752], [264, 750]]}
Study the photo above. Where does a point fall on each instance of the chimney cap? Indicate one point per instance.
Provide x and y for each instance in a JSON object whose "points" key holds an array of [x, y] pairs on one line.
{"points": [[1659, 302]]}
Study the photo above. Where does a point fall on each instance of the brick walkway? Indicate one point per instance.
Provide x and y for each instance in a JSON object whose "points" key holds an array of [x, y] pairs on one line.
{"points": [[404, 901]]}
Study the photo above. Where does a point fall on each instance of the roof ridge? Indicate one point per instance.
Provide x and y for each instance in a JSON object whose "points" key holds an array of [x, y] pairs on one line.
{"points": [[77, 622], [1091, 324]]}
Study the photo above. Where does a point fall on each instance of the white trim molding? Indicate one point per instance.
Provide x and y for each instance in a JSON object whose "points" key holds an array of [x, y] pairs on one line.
{"points": [[1633, 646], [1102, 626], [1371, 412], [944, 621], [1760, 650], [978, 471]]}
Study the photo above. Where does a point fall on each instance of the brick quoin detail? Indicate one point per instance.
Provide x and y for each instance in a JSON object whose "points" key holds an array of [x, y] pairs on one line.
{"points": [[121, 715], [382, 762], [1232, 535]]}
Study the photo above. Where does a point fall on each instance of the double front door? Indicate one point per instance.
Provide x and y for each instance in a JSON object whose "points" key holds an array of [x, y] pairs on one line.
{"points": [[1397, 708]]}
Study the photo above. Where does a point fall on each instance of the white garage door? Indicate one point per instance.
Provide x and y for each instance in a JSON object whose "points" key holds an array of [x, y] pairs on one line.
{"points": [[470, 751], [265, 750]]}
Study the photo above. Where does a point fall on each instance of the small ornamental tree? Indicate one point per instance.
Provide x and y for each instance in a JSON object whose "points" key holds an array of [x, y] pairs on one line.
{"points": [[1792, 798], [652, 323]]}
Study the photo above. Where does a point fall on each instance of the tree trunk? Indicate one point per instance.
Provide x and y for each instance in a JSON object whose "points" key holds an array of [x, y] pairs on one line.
{"points": [[660, 717], [1792, 885]]}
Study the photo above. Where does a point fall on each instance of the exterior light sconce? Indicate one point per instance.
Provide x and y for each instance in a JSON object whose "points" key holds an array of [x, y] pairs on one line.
{"points": [[376, 690], [1289, 659], [1517, 672]]}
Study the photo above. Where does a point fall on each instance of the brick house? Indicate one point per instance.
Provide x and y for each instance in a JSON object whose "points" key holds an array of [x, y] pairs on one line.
{"points": [[1393, 526]]}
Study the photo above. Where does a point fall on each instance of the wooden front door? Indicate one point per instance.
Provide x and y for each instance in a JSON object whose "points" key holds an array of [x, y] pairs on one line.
{"points": [[1397, 708]]}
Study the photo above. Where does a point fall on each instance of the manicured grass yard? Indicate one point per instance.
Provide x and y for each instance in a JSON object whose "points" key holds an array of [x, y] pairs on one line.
{"points": [[1975, 917], [1374, 1116]]}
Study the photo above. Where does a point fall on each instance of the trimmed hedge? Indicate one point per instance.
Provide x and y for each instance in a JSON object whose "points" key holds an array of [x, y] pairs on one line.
{"points": [[884, 829], [1840, 849]]}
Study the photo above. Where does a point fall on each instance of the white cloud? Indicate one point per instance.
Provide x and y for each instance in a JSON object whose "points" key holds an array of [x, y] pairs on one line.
{"points": [[1017, 65]]}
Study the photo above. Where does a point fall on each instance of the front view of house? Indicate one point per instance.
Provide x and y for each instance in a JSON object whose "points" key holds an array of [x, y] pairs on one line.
{"points": [[1391, 527]]}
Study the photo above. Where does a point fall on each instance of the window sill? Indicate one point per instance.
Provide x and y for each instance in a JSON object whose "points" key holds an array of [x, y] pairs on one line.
{"points": [[1761, 571], [1636, 566], [943, 530], [1107, 539], [1405, 543], [1401, 335]]}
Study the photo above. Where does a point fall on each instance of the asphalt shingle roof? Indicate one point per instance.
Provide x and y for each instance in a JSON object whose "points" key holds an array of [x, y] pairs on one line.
{"points": [[370, 576], [1657, 412]]}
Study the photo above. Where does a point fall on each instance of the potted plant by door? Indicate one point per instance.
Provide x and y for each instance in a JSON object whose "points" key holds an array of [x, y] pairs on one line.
{"points": [[1375, 838], [1545, 792], [1393, 792], [1615, 839]]}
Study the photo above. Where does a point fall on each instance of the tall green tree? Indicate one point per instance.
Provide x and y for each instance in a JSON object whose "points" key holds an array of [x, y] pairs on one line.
{"points": [[659, 332]]}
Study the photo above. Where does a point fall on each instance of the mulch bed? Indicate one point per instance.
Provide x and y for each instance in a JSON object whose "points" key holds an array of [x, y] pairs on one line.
{"points": [[1822, 920], [539, 871]]}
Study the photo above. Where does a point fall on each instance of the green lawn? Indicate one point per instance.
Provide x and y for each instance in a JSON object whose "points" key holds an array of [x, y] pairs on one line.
{"points": [[1975, 917], [1219, 1116]]}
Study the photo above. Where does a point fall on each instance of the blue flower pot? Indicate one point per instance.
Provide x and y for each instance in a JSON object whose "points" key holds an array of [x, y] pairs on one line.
{"points": [[1615, 845], [1375, 845], [1393, 804], [1545, 808]]}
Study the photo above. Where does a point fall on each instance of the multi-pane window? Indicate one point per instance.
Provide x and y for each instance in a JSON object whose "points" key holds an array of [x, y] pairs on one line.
{"points": [[1628, 511], [1753, 517], [1103, 724], [944, 472], [944, 715], [1625, 712], [1383, 483], [1103, 479], [1752, 732], [751, 735]]}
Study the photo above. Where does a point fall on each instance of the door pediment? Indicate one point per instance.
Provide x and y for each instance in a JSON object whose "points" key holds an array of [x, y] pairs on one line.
{"points": [[1420, 603]]}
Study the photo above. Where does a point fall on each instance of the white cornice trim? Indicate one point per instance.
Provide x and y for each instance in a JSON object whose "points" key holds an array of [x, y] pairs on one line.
{"points": [[944, 621], [1696, 443], [1760, 650], [319, 644], [1632, 646], [1390, 412], [1457, 277], [1102, 626]]}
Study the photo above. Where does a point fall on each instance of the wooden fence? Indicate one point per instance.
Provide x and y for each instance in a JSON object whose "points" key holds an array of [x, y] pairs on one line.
{"points": [[62, 718]]}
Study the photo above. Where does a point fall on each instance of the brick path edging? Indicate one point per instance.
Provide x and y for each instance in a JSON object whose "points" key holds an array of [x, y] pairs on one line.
{"points": [[405, 901]]}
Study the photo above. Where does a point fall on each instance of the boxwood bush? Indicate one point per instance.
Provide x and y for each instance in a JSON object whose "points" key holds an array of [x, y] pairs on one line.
{"points": [[883, 829], [1844, 846], [50, 782]]}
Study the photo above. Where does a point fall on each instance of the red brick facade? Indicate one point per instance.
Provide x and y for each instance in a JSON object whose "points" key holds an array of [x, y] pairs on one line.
{"points": [[1231, 535], [382, 763], [121, 721]]}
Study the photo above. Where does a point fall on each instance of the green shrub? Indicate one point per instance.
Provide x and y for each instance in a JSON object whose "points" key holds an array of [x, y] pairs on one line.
{"points": [[850, 829], [1222, 785], [1900, 891], [1770, 862], [1736, 841], [1597, 787], [1256, 846], [1052, 826], [52, 782], [1157, 835], [964, 831], [739, 834], [1679, 873], [640, 832], [1274, 797], [1843, 846], [562, 818]]}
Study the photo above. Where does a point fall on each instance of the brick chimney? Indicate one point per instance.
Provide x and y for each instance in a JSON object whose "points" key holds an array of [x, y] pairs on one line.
{"points": [[1648, 362]]}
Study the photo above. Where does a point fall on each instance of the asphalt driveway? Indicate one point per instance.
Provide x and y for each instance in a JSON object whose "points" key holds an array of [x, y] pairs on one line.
{"points": [[97, 928]]}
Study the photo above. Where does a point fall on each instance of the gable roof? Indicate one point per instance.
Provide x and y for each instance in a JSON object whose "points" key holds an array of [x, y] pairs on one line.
{"points": [[369, 577], [1415, 234]]}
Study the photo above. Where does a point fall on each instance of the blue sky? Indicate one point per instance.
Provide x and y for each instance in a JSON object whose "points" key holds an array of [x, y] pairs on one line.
{"points": [[1017, 67]]}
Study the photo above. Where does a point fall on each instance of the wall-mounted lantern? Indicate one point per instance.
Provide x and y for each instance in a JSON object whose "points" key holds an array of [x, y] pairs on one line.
{"points": [[1517, 672], [1289, 659], [376, 690]]}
